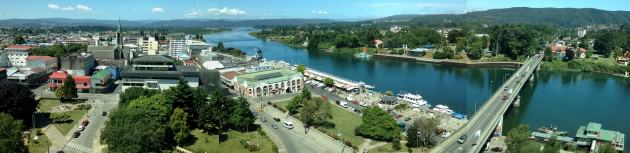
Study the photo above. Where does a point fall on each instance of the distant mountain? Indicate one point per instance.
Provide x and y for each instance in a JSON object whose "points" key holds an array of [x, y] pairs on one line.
{"points": [[156, 23], [566, 17]]}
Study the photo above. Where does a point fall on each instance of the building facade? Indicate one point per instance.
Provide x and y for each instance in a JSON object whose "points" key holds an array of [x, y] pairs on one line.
{"points": [[46, 62], [269, 83], [17, 54], [149, 46], [176, 48], [158, 72], [78, 64], [56, 80], [592, 135]]}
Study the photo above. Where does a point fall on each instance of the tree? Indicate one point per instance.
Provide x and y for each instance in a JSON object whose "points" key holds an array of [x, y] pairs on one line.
{"points": [[11, 135], [306, 94], [548, 54], [60, 117], [329, 82], [401, 107], [475, 50], [315, 112], [157, 104], [396, 145], [135, 129], [17, 101], [518, 141], [186, 97], [300, 68], [552, 146], [570, 55], [213, 116], [422, 133], [19, 40], [69, 88], [607, 148], [240, 116], [378, 125], [220, 46], [134, 93], [179, 125], [389, 93]]}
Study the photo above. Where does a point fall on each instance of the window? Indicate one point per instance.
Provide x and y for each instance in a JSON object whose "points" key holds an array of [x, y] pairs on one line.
{"points": [[85, 84]]}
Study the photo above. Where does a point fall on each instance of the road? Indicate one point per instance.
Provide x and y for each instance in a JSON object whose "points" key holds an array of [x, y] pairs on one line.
{"points": [[85, 142], [484, 122]]}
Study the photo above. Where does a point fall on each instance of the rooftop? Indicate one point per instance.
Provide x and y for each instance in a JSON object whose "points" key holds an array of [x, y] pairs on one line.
{"points": [[19, 47], [593, 127], [43, 58], [267, 77], [153, 58]]}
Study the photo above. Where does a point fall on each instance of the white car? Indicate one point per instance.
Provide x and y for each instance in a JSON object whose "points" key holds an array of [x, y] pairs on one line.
{"points": [[81, 128], [288, 124]]}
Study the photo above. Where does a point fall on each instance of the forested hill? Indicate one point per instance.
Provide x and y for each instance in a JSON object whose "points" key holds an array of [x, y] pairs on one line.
{"points": [[565, 17]]}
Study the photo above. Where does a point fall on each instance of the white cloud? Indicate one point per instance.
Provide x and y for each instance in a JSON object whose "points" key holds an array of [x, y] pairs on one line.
{"points": [[68, 8], [53, 6], [215, 12], [415, 4], [226, 11], [320, 12], [157, 10], [84, 8]]}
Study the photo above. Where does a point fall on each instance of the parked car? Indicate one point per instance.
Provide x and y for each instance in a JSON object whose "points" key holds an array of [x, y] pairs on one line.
{"points": [[76, 134], [505, 97], [274, 126], [276, 119], [81, 128], [462, 139], [254, 113], [263, 119], [104, 114]]}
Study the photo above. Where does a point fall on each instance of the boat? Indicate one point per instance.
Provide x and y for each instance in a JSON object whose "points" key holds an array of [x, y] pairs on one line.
{"points": [[442, 109], [552, 130], [412, 98]]}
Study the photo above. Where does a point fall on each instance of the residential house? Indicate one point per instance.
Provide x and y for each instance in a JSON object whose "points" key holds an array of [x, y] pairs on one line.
{"points": [[56, 80]]}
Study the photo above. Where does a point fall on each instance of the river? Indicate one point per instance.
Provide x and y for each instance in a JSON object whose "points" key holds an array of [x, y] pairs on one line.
{"points": [[563, 99]]}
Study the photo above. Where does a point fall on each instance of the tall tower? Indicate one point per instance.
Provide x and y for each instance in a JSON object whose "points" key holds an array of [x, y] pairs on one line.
{"points": [[119, 38]]}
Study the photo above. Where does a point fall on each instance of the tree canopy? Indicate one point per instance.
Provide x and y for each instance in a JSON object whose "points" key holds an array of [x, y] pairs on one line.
{"points": [[315, 112], [378, 125], [135, 93], [11, 135], [422, 133], [17, 101], [69, 88]]}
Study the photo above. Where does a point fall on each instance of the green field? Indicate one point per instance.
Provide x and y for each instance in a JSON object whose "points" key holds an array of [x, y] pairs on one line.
{"points": [[388, 148], [345, 122], [210, 143], [40, 145], [75, 115], [46, 105]]}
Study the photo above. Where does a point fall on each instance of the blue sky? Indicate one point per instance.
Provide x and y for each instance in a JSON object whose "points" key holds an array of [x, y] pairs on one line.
{"points": [[264, 9]]}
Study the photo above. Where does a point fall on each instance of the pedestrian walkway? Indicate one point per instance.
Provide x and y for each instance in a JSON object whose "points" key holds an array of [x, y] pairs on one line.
{"points": [[72, 146], [365, 145], [57, 139]]}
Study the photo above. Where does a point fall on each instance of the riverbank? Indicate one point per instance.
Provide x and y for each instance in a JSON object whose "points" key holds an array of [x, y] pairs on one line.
{"points": [[605, 66], [452, 61]]}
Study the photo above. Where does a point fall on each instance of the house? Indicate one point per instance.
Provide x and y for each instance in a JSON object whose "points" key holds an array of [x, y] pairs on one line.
{"points": [[46, 62], [269, 83], [227, 78], [624, 60], [158, 72], [56, 80], [559, 50], [581, 53], [593, 135], [103, 80]]}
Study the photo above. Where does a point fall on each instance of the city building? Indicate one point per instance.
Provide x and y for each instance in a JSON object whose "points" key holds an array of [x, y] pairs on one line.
{"points": [[4, 59], [148, 46], [103, 80], [194, 47], [581, 32], [78, 64], [592, 135], [46, 62], [177, 47], [27, 76], [269, 83], [105, 52], [56, 80], [158, 72], [17, 54]]}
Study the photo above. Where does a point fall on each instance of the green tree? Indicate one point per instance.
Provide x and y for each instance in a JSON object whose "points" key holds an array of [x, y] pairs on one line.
{"points": [[378, 125], [548, 54], [570, 55], [134, 93], [156, 103], [518, 141], [552, 146], [135, 129], [294, 105], [607, 148], [60, 117], [422, 132], [475, 50], [17, 101], [329, 82], [69, 88], [213, 116], [396, 145], [401, 107], [179, 125], [389, 93], [220, 47], [11, 135], [241, 117], [315, 112], [300, 68], [186, 97], [19, 40]]}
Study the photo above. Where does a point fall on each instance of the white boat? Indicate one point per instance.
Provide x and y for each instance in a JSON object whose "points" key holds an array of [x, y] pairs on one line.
{"points": [[412, 98], [442, 109]]}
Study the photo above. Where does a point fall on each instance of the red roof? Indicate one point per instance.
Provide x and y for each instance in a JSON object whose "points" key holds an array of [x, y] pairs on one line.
{"points": [[230, 75], [2, 69], [43, 58], [555, 48], [58, 75], [81, 79], [20, 47]]}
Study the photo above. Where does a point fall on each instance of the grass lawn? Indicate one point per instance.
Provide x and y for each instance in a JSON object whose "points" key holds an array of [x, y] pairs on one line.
{"points": [[210, 143], [345, 122], [388, 148], [40, 145], [46, 105], [75, 115]]}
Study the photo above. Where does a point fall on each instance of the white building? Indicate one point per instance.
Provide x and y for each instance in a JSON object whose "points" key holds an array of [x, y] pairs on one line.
{"points": [[148, 46], [581, 32], [176, 48], [17, 54]]}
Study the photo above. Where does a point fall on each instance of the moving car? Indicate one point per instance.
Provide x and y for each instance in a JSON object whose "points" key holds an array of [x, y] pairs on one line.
{"points": [[288, 124], [263, 119], [104, 114], [274, 126], [76, 134], [81, 128], [462, 139]]}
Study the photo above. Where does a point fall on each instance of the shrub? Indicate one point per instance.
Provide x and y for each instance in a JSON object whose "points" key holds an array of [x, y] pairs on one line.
{"points": [[252, 148], [274, 149], [83, 107]]}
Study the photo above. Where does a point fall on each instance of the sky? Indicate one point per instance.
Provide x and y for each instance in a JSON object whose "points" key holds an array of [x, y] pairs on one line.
{"points": [[269, 9]]}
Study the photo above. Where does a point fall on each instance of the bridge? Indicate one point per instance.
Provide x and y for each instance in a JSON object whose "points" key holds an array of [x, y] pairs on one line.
{"points": [[489, 118]]}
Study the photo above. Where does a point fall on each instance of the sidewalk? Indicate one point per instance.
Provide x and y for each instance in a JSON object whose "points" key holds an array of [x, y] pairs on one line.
{"points": [[57, 139]]}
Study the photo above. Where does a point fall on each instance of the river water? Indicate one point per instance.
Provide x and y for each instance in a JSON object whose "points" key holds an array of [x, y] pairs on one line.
{"points": [[563, 99]]}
